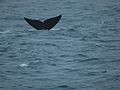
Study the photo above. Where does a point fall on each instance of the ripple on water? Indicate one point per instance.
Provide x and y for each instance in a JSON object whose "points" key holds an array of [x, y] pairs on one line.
{"points": [[4, 49], [65, 87]]}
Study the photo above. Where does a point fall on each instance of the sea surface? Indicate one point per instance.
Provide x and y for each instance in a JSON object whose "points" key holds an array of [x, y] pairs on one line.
{"points": [[82, 52]]}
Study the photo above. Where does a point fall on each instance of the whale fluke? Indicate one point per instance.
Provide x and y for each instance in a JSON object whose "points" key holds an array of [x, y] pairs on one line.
{"points": [[47, 24]]}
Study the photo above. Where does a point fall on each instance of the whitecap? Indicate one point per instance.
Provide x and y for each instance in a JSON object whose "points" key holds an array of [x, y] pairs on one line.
{"points": [[2, 32], [23, 65], [61, 28]]}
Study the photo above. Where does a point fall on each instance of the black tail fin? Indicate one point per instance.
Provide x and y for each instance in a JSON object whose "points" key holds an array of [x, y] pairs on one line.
{"points": [[50, 23], [47, 24]]}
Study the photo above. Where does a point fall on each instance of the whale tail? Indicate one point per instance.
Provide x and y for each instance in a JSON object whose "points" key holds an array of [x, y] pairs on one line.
{"points": [[47, 24]]}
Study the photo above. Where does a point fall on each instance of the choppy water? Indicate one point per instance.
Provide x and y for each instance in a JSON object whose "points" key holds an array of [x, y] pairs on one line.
{"points": [[82, 52]]}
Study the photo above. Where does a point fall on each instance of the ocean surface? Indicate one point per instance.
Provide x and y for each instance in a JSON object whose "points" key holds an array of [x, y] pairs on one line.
{"points": [[82, 52]]}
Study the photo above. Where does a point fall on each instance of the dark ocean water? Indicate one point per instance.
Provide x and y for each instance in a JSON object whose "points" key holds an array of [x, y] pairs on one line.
{"points": [[82, 52]]}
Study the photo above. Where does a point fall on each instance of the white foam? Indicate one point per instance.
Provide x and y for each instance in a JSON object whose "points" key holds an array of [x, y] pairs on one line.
{"points": [[2, 32], [61, 28], [23, 65], [55, 29]]}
